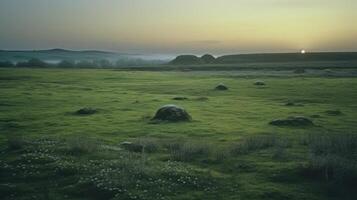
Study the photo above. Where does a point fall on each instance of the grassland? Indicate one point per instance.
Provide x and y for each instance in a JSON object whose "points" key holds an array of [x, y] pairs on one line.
{"points": [[228, 151]]}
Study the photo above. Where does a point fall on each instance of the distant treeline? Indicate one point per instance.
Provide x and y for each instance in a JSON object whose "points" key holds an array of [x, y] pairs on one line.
{"points": [[264, 58], [37, 63]]}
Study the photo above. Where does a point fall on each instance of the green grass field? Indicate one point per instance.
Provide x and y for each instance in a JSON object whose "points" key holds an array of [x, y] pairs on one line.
{"points": [[228, 151]]}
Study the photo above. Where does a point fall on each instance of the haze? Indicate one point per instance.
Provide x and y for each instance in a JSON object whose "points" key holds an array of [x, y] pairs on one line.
{"points": [[180, 26]]}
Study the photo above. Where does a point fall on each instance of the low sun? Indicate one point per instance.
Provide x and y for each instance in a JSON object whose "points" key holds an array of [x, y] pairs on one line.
{"points": [[303, 51]]}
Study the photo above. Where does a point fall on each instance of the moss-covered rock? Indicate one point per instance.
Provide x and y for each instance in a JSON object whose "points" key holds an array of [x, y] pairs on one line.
{"points": [[221, 86], [172, 113]]}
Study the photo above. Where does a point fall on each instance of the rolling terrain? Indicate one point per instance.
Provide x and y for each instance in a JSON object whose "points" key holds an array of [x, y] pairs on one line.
{"points": [[228, 151]]}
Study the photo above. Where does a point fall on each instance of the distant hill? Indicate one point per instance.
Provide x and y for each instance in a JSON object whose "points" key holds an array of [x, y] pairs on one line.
{"points": [[208, 59], [287, 57], [55, 55], [70, 51], [192, 60], [268, 57]]}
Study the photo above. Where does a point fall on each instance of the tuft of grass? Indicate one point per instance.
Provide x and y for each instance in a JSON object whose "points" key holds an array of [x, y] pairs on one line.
{"points": [[254, 143], [344, 145], [80, 145], [188, 151], [220, 154], [333, 157], [150, 145], [142, 145]]}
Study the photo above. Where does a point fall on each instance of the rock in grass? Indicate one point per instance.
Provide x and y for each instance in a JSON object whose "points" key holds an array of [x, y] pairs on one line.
{"points": [[333, 112], [259, 83], [172, 113], [86, 111], [180, 98], [292, 121], [221, 87]]}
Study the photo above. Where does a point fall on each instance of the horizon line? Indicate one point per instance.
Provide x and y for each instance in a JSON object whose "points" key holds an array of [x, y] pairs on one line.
{"points": [[118, 52]]}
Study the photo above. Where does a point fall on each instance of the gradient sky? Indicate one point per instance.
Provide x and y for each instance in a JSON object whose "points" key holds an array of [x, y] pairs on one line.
{"points": [[180, 26]]}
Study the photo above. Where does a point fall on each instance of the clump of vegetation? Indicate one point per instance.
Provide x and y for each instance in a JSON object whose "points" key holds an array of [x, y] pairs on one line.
{"points": [[253, 143], [130, 146], [113, 174], [80, 145], [142, 145], [292, 121], [333, 112], [180, 98], [219, 154], [86, 111], [333, 158], [188, 151], [259, 83], [172, 113], [221, 86], [280, 149], [290, 103], [150, 145]]}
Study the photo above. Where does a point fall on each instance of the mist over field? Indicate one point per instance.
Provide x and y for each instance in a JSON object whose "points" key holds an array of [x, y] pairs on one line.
{"points": [[57, 55]]}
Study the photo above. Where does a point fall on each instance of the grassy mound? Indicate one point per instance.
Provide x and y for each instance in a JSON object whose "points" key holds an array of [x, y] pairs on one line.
{"points": [[172, 113], [292, 121]]}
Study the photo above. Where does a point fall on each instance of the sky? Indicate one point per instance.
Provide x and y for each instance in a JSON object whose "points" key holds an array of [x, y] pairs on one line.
{"points": [[180, 26]]}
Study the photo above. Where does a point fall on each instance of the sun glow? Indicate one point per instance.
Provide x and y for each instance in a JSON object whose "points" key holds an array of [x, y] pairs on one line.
{"points": [[303, 51]]}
